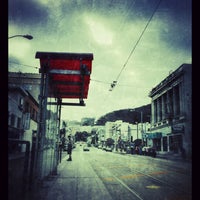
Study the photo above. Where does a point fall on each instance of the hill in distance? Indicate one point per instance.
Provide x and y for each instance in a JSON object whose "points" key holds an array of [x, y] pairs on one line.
{"points": [[130, 115]]}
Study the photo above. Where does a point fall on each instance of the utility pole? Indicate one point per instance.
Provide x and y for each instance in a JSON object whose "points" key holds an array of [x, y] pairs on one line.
{"points": [[142, 126], [137, 129]]}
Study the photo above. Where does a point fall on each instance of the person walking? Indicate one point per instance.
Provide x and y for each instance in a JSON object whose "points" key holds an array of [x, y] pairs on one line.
{"points": [[69, 149]]}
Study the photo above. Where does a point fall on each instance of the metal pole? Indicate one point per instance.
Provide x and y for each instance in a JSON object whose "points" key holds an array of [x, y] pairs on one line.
{"points": [[142, 127], [39, 131], [32, 162], [42, 120], [59, 116]]}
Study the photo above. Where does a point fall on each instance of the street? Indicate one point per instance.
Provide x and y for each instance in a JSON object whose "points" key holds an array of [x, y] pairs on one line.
{"points": [[97, 175]]}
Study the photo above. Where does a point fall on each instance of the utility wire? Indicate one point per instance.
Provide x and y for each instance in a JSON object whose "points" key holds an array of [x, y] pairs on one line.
{"points": [[100, 81], [108, 83], [23, 65], [154, 11]]}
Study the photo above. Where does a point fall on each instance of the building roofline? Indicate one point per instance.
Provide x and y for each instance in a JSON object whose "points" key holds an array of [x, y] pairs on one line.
{"points": [[169, 78], [14, 87]]}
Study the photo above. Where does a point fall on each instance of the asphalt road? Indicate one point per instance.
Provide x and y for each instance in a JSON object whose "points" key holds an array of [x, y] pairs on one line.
{"points": [[100, 175]]}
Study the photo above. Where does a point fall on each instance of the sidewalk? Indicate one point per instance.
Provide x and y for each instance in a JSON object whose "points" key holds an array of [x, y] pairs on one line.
{"points": [[78, 182], [172, 156], [72, 182], [162, 155]]}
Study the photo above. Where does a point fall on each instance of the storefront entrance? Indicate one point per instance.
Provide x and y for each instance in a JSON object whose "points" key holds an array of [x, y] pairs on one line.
{"points": [[175, 143]]}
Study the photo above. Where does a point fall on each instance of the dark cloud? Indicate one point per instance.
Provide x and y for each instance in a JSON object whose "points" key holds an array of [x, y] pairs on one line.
{"points": [[177, 36], [14, 63], [26, 12], [178, 32], [64, 17]]}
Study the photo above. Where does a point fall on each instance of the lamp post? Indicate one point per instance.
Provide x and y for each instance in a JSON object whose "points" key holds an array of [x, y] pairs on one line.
{"points": [[141, 121], [137, 129], [29, 37]]}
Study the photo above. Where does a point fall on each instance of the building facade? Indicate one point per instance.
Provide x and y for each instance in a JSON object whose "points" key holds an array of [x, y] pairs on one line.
{"points": [[28, 81], [23, 106], [22, 115], [171, 117], [16, 98]]}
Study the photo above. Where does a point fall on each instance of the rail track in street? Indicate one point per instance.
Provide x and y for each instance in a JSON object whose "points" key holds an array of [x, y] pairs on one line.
{"points": [[142, 177]]}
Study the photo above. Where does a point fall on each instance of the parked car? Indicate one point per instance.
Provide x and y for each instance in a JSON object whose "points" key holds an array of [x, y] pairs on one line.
{"points": [[152, 152], [109, 148], [99, 146], [86, 148], [149, 151], [104, 147]]}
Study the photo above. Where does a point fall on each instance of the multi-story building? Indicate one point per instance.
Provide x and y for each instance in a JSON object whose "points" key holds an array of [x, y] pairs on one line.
{"points": [[24, 111], [16, 97], [22, 114], [23, 106], [108, 130], [28, 81], [171, 118]]}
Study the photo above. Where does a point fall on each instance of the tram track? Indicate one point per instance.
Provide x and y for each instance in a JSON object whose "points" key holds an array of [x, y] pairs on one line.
{"points": [[113, 171]]}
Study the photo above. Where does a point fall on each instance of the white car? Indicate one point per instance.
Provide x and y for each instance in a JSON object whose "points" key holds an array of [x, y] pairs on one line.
{"points": [[86, 148], [109, 149]]}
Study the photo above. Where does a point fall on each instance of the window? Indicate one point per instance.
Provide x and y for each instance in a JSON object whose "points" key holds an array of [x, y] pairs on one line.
{"points": [[18, 122], [164, 143], [165, 104], [32, 113], [21, 101], [27, 108], [159, 109], [170, 100], [155, 111], [12, 120], [177, 100]]}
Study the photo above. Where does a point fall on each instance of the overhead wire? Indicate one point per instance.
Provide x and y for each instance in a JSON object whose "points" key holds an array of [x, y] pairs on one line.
{"points": [[108, 83], [134, 47], [113, 84], [23, 65]]}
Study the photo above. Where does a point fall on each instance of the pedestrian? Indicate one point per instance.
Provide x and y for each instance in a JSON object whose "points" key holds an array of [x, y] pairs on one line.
{"points": [[136, 150], [69, 149], [140, 150]]}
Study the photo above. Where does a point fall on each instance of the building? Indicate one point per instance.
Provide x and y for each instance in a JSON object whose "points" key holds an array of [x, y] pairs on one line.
{"points": [[28, 81], [23, 107], [109, 130], [24, 115], [171, 118], [16, 96]]}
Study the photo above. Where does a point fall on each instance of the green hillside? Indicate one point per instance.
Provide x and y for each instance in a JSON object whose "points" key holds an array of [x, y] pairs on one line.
{"points": [[131, 115]]}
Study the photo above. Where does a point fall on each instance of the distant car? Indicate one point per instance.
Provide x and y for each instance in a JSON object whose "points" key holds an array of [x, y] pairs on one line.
{"points": [[149, 151], [109, 149], [152, 152], [86, 148], [99, 147], [104, 147]]}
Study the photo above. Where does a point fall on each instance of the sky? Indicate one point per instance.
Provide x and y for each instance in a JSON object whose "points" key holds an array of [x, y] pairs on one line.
{"points": [[134, 42]]}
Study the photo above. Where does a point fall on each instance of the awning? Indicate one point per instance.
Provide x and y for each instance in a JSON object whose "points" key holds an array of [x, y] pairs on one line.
{"points": [[69, 73], [154, 135]]}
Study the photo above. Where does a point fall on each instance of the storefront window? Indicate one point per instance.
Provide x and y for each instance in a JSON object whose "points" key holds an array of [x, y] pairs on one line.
{"points": [[164, 143], [157, 144]]}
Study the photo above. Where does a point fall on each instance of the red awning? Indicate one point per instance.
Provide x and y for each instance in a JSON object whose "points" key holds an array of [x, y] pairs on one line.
{"points": [[69, 73]]}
